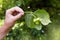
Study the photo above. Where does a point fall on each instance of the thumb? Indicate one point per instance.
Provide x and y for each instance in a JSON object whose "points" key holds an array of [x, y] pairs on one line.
{"points": [[19, 16]]}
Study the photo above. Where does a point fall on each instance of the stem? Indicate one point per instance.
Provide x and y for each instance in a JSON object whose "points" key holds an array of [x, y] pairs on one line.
{"points": [[30, 13]]}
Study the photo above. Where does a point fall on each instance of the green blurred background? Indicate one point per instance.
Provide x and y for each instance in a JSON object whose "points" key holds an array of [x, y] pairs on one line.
{"points": [[21, 32]]}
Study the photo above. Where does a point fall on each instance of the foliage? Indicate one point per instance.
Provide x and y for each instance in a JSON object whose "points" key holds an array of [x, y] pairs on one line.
{"points": [[40, 22]]}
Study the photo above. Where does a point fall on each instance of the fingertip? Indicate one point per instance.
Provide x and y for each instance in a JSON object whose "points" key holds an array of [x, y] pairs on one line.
{"points": [[22, 13]]}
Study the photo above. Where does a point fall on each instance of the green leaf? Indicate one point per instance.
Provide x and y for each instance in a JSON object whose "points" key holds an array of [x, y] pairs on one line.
{"points": [[38, 27], [1, 22], [1, 1], [19, 2], [29, 21], [43, 16]]}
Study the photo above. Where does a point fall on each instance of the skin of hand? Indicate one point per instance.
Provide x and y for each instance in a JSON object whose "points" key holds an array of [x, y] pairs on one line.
{"points": [[10, 19], [12, 15]]}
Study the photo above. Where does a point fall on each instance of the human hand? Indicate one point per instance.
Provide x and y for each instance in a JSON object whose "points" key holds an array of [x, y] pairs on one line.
{"points": [[12, 15]]}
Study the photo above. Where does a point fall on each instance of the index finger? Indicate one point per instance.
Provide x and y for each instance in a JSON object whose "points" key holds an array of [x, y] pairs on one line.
{"points": [[15, 9]]}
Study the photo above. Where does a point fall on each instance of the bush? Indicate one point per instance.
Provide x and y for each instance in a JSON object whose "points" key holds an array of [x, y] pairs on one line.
{"points": [[40, 22]]}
